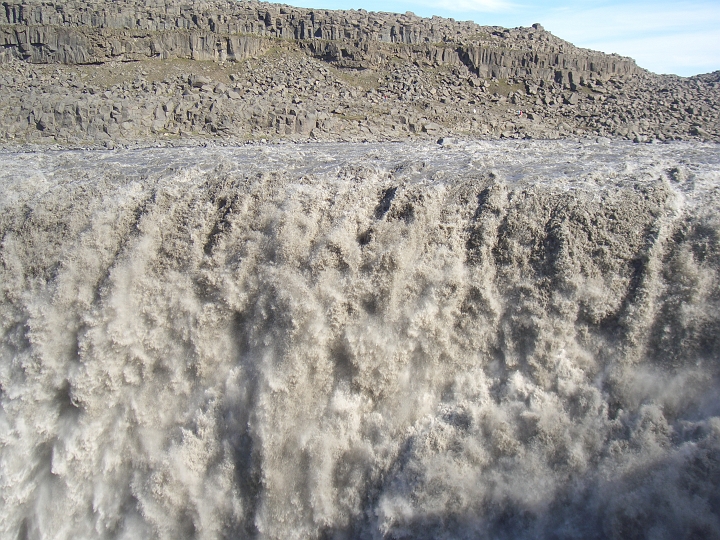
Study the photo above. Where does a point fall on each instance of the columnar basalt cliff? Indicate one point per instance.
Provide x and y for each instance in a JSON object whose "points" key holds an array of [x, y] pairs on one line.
{"points": [[87, 73], [81, 32]]}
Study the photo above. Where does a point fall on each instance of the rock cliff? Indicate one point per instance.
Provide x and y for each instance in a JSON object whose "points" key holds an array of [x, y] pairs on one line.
{"points": [[88, 32], [99, 72]]}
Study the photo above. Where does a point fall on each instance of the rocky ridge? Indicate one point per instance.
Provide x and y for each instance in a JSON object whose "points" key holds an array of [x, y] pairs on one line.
{"points": [[88, 73]]}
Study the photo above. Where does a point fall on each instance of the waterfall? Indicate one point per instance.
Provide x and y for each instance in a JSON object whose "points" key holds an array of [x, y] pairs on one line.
{"points": [[501, 340]]}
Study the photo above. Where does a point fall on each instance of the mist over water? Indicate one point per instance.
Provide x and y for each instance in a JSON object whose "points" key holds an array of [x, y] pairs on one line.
{"points": [[500, 340]]}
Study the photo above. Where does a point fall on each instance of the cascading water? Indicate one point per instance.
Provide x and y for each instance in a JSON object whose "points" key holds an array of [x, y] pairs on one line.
{"points": [[494, 340]]}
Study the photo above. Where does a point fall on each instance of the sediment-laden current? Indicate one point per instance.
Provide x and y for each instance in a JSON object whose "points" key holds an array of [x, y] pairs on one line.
{"points": [[488, 340]]}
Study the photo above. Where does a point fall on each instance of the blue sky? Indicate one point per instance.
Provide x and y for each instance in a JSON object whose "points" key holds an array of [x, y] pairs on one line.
{"points": [[662, 36]]}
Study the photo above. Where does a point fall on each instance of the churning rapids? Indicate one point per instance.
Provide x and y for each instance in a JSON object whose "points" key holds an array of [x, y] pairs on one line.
{"points": [[504, 340]]}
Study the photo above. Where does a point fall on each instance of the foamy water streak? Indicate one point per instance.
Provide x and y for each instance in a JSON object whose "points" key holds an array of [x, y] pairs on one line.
{"points": [[496, 340]]}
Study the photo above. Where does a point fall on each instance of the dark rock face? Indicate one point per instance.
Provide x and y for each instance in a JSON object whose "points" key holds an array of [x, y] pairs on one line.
{"points": [[88, 73]]}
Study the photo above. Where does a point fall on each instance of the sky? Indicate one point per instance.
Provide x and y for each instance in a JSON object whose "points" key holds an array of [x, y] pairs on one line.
{"points": [[663, 36]]}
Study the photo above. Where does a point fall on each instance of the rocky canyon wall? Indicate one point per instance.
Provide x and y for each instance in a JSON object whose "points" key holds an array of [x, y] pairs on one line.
{"points": [[83, 32]]}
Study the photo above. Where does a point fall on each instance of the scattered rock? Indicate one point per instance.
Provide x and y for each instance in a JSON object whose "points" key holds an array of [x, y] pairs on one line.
{"points": [[431, 128], [198, 81], [447, 142], [571, 99], [699, 132]]}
